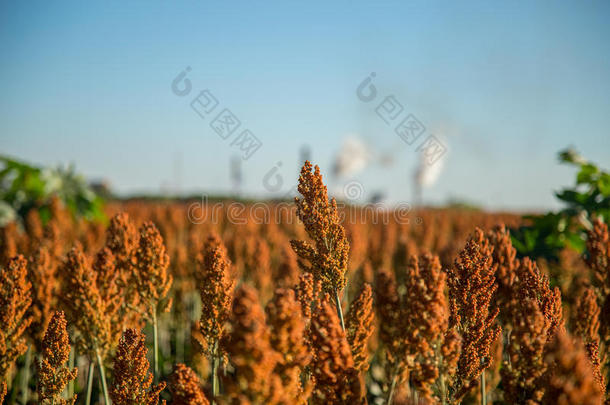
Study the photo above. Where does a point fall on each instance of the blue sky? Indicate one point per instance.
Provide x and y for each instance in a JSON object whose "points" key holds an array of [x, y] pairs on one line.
{"points": [[506, 85]]}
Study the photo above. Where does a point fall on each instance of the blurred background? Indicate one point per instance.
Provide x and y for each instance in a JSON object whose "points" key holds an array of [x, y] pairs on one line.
{"points": [[145, 97]]}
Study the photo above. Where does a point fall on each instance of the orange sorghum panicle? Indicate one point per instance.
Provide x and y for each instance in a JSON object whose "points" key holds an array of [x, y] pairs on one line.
{"points": [[504, 256], [250, 353], [524, 365], [152, 278], [85, 309], [288, 271], [598, 257], [216, 292], [132, 383], [8, 243], [532, 283], [42, 277], [390, 316], [111, 292], [15, 299], [122, 240], [185, 387], [288, 338], [426, 320], [53, 376], [471, 282], [586, 327], [359, 327], [336, 379], [570, 380], [305, 294], [327, 259]]}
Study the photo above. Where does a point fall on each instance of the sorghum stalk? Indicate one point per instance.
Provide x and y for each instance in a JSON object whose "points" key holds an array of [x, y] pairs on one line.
{"points": [[25, 376], [100, 362], [339, 309], [155, 345], [71, 365], [483, 393], [214, 376], [90, 382], [392, 388]]}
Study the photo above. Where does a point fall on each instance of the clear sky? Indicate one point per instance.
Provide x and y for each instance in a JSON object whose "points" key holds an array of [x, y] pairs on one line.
{"points": [[505, 84]]}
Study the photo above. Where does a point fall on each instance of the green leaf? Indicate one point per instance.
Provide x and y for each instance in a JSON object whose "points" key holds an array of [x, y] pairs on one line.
{"points": [[587, 174]]}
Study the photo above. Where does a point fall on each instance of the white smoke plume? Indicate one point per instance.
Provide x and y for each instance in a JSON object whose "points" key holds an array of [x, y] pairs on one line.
{"points": [[427, 173], [353, 157]]}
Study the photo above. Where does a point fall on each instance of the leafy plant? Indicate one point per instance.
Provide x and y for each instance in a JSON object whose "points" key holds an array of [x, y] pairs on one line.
{"points": [[24, 187], [546, 235]]}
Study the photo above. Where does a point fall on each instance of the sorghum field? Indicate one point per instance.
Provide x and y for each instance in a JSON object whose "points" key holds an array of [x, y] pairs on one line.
{"points": [[154, 307]]}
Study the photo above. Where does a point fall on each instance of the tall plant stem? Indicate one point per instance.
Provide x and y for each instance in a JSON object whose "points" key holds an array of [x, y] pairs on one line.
{"points": [[392, 389], [483, 390], [90, 381], [100, 363], [25, 376], [180, 341], [339, 310], [155, 344], [71, 361], [443, 389], [214, 376]]}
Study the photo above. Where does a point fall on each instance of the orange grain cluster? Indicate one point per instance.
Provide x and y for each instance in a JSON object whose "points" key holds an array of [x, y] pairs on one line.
{"points": [[86, 311], [598, 258], [216, 292], [359, 327], [41, 274], [122, 241], [305, 294], [152, 278], [53, 376], [250, 353], [531, 314], [327, 259], [185, 387], [15, 299], [426, 322], [132, 383], [336, 379], [570, 380], [471, 282], [288, 337], [524, 369], [586, 327], [414, 327]]}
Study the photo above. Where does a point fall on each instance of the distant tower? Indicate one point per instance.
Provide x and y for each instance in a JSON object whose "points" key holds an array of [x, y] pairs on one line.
{"points": [[236, 175]]}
